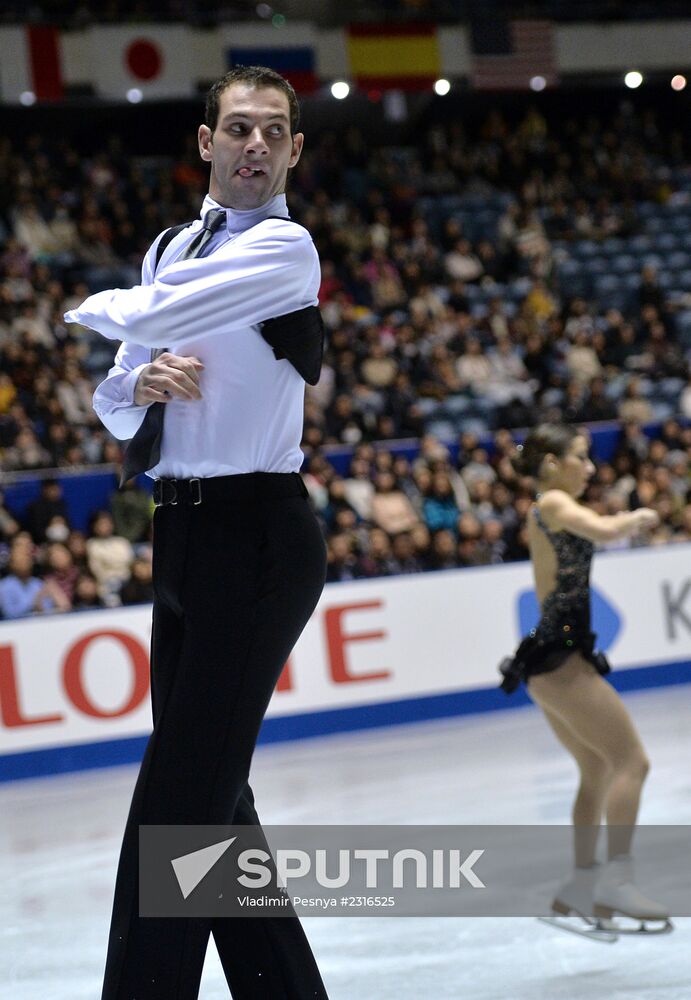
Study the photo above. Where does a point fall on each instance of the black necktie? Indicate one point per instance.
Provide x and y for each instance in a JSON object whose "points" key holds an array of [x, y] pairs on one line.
{"points": [[144, 450]]}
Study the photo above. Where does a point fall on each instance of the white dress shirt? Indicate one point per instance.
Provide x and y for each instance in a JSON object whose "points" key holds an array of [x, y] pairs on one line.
{"points": [[251, 413]]}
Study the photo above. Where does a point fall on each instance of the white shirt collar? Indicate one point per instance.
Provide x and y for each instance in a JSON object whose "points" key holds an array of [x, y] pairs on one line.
{"points": [[238, 221]]}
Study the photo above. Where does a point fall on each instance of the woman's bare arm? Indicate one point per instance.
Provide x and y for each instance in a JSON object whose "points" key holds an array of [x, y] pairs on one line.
{"points": [[561, 512]]}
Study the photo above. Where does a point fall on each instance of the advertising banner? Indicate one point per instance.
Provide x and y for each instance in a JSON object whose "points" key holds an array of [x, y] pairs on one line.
{"points": [[83, 678]]}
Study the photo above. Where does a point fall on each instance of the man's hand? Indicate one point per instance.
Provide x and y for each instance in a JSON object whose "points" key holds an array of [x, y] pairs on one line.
{"points": [[168, 377]]}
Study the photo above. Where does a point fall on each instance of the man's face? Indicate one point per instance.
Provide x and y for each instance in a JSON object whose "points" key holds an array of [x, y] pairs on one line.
{"points": [[251, 148]]}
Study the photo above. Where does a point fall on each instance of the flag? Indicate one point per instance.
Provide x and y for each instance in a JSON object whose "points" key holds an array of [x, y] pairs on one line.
{"points": [[156, 60], [30, 63], [507, 55], [394, 56], [295, 63]]}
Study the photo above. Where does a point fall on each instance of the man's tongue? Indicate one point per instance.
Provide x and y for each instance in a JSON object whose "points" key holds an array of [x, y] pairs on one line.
{"points": [[248, 172]]}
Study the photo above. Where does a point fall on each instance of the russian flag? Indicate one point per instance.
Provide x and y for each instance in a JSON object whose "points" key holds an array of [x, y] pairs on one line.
{"points": [[295, 63]]}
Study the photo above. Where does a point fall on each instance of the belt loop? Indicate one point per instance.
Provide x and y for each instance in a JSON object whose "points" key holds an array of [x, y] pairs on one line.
{"points": [[196, 492], [163, 488]]}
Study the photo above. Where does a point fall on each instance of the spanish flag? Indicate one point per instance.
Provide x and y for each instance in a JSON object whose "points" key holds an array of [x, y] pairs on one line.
{"points": [[394, 56]]}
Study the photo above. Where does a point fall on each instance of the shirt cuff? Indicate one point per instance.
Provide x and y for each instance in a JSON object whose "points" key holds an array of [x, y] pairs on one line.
{"points": [[129, 384]]}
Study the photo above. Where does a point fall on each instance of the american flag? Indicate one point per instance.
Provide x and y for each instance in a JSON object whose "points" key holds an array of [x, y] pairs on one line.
{"points": [[527, 52]]}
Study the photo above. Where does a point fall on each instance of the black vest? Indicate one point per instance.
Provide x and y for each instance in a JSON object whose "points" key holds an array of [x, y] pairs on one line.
{"points": [[297, 337]]}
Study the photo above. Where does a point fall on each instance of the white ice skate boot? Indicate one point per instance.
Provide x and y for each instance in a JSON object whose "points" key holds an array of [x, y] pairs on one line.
{"points": [[573, 907], [616, 896], [575, 897]]}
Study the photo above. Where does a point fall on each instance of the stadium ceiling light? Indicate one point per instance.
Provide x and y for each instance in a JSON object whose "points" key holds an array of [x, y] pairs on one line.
{"points": [[134, 95], [678, 82], [27, 98], [442, 87], [633, 79], [340, 89], [537, 83]]}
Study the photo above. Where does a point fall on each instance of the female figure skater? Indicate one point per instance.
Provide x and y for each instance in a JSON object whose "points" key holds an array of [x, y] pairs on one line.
{"points": [[563, 673]]}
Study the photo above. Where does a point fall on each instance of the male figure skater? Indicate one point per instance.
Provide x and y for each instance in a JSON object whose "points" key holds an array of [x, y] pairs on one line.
{"points": [[208, 383]]}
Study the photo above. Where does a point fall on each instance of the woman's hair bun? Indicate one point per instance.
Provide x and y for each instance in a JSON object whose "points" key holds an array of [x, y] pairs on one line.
{"points": [[545, 439]]}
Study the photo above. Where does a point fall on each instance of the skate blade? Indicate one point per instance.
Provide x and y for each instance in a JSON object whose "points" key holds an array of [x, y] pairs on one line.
{"points": [[633, 927], [583, 928]]}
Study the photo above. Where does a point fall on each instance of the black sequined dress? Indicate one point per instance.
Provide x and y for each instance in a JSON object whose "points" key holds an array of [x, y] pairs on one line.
{"points": [[564, 626]]}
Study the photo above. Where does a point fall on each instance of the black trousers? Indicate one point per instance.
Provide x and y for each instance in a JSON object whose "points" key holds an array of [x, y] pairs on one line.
{"points": [[236, 579]]}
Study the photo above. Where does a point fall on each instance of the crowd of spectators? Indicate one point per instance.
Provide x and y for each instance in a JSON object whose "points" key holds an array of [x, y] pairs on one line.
{"points": [[447, 509], [401, 286], [82, 13], [406, 331], [209, 12], [423, 308], [442, 509], [50, 566]]}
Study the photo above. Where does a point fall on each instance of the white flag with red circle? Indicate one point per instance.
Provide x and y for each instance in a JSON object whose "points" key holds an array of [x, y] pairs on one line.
{"points": [[155, 60]]}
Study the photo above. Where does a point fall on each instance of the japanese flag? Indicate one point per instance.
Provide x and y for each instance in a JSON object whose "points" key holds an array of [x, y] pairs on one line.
{"points": [[144, 60]]}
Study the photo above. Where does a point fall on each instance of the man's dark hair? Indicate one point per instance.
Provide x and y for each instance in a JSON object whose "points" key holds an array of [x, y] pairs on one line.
{"points": [[254, 76]]}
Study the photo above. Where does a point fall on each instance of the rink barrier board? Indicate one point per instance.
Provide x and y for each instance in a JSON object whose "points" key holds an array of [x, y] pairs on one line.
{"points": [[278, 729], [74, 688]]}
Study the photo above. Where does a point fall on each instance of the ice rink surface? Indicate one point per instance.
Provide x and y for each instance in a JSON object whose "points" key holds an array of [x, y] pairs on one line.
{"points": [[60, 839]]}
